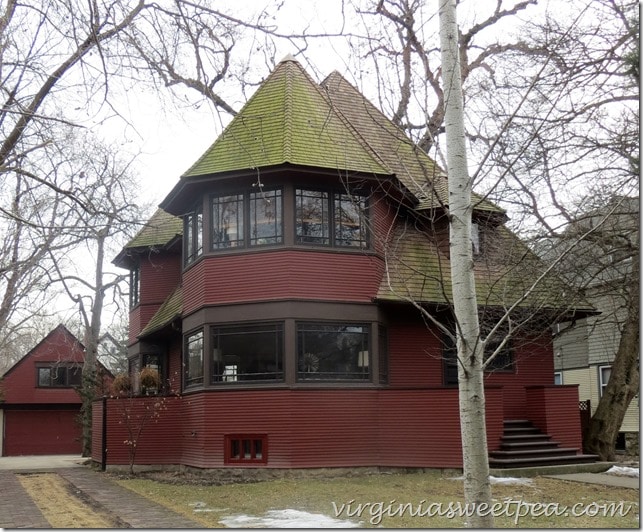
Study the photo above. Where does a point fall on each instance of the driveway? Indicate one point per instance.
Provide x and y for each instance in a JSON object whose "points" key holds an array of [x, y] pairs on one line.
{"points": [[31, 463]]}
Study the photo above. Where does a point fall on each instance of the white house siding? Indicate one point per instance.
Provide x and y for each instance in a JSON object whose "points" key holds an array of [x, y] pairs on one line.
{"points": [[570, 346], [588, 388]]}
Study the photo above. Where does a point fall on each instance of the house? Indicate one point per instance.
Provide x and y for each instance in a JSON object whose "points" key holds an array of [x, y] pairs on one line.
{"points": [[39, 404], [293, 288], [585, 349]]}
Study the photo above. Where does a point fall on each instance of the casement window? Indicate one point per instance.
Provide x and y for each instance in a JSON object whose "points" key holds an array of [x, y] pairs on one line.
{"points": [[604, 373], [328, 218], [134, 286], [193, 359], [558, 378], [193, 235], [57, 375], [383, 354], [246, 449], [247, 219], [247, 353], [333, 352]]}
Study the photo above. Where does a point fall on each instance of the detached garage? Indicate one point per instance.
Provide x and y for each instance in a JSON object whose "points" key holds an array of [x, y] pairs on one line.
{"points": [[39, 413]]}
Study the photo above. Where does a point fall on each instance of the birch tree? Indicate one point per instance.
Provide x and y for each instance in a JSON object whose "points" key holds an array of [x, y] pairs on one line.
{"points": [[470, 348]]}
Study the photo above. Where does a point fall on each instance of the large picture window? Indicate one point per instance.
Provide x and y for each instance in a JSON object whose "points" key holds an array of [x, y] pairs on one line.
{"points": [[247, 353], [332, 352], [330, 218], [193, 359], [247, 219]]}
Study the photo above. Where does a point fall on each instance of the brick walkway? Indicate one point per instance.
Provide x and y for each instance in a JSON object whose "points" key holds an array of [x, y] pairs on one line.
{"points": [[17, 509]]}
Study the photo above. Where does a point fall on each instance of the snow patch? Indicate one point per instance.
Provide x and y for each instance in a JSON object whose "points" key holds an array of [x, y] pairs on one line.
{"points": [[506, 481], [286, 519], [623, 471]]}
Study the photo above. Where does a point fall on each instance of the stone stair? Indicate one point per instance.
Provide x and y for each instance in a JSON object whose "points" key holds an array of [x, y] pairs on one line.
{"points": [[523, 445]]}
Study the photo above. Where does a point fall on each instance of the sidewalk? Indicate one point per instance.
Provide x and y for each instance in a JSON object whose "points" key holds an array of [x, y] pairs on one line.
{"points": [[601, 478], [17, 509]]}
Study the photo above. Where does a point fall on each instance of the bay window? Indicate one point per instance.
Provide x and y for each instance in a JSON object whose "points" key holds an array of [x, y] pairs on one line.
{"points": [[332, 352], [193, 235], [246, 219], [330, 218], [247, 353], [193, 359]]}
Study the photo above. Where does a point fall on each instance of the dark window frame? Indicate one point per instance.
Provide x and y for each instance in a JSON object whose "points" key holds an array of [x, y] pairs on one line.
{"points": [[193, 235], [332, 210], [247, 220], [134, 286], [61, 375], [310, 361], [223, 373], [196, 379]]}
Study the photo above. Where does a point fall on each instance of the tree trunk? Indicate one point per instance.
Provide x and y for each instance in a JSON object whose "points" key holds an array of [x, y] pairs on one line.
{"points": [[623, 384], [477, 489]]}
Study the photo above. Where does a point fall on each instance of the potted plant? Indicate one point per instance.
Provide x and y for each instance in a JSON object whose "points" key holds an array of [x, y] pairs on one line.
{"points": [[149, 379], [122, 384]]}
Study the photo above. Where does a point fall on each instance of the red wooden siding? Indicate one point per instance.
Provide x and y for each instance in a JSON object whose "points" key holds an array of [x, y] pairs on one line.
{"points": [[280, 275], [534, 365], [415, 354], [304, 428], [554, 410]]}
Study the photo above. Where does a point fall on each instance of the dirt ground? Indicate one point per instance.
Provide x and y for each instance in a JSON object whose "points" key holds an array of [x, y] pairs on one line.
{"points": [[62, 505]]}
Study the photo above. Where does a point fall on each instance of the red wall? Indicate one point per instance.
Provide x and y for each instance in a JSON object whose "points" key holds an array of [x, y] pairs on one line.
{"points": [[279, 275], [554, 410], [305, 428], [160, 274], [534, 365]]}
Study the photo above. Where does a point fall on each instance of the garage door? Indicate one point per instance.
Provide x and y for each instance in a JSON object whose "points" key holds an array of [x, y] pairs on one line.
{"points": [[33, 432]]}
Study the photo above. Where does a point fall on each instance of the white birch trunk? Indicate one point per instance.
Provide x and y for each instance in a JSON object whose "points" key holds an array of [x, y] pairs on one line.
{"points": [[477, 490]]}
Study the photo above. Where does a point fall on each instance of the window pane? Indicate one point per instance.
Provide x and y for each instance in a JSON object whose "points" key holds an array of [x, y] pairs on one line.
{"points": [[134, 286], [44, 376], [349, 221], [227, 221], [193, 231], [59, 376], [74, 376], [332, 352], [194, 370], [312, 217], [253, 353], [265, 218]]}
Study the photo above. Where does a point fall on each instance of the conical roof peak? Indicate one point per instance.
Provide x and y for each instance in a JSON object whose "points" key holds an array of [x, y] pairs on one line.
{"points": [[287, 120]]}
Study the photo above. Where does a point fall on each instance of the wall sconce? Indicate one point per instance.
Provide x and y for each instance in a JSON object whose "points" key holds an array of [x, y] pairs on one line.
{"points": [[362, 359]]}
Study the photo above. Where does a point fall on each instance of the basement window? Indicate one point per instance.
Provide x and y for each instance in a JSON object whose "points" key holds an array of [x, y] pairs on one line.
{"points": [[246, 449]]}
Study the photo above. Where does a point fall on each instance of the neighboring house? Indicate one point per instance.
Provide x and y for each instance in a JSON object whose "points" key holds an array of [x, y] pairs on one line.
{"points": [[39, 405], [277, 289], [584, 350]]}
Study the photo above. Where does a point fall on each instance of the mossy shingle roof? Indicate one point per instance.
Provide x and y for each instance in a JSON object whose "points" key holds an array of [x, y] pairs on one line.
{"points": [[287, 120]]}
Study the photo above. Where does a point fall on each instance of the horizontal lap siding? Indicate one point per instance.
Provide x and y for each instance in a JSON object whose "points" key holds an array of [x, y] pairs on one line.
{"points": [[281, 275], [534, 365], [415, 356], [161, 439], [304, 428], [554, 410]]}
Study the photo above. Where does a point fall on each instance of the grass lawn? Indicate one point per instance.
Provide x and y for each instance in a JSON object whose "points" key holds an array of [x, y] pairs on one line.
{"points": [[382, 495]]}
